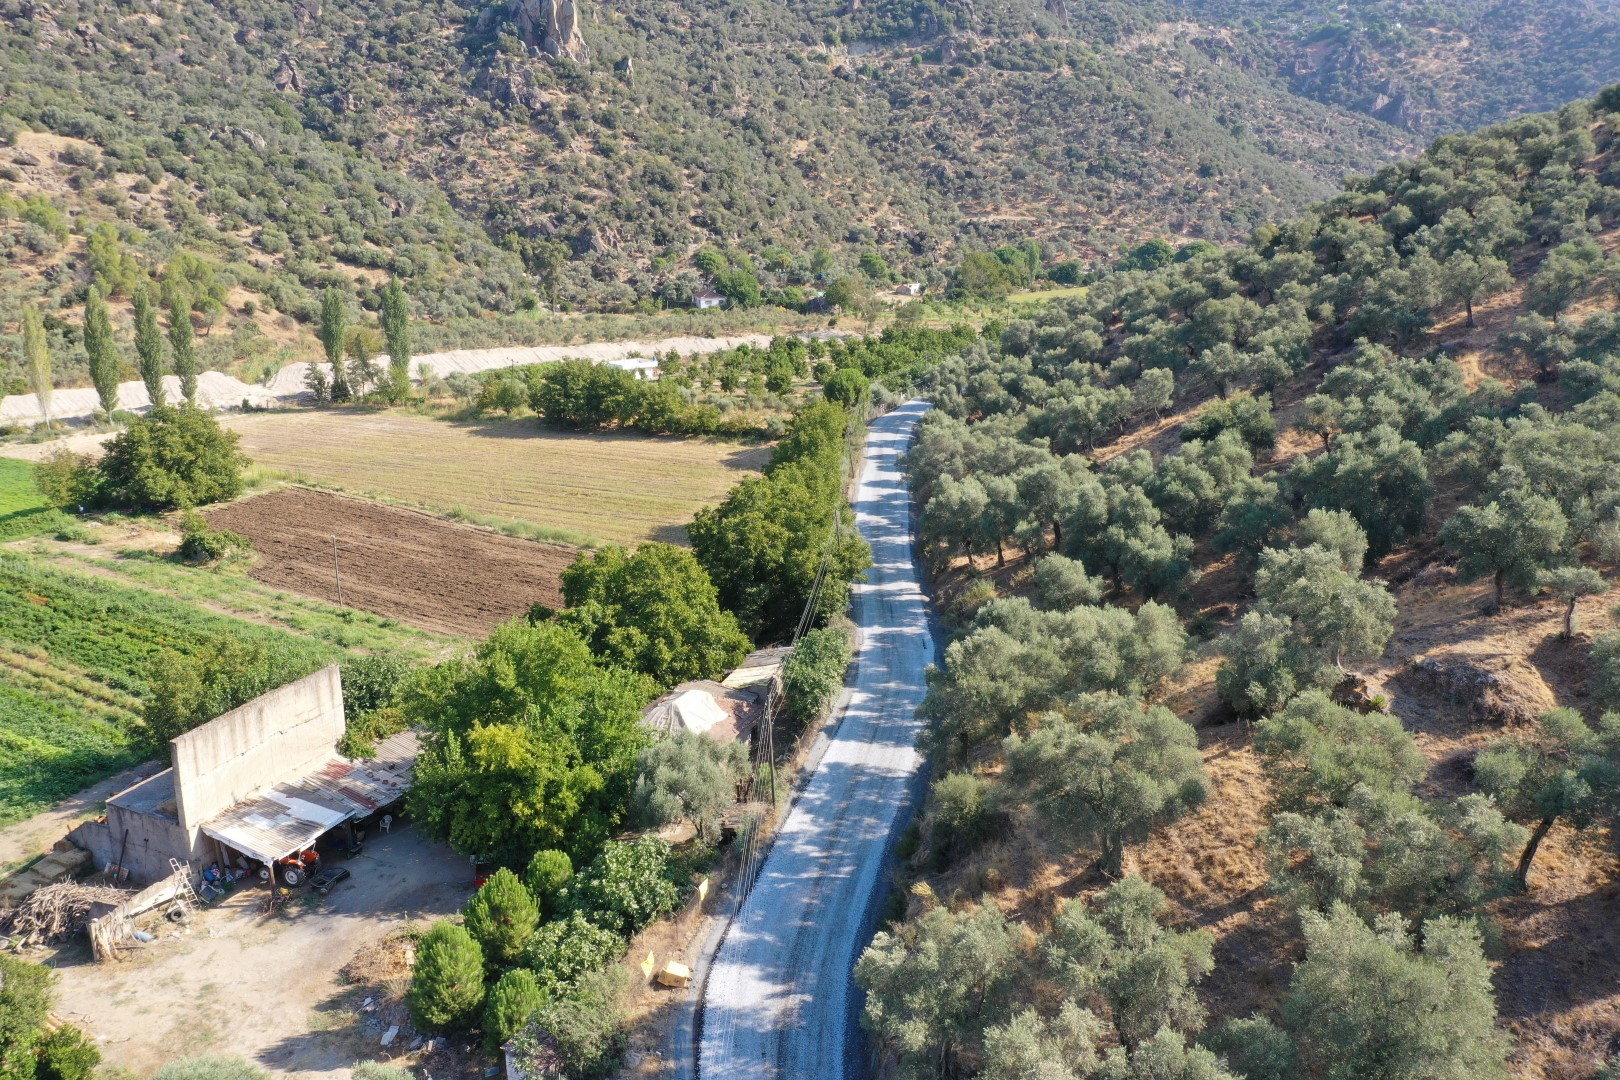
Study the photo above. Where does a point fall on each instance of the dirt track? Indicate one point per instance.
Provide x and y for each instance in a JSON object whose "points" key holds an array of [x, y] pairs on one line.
{"points": [[453, 579]]}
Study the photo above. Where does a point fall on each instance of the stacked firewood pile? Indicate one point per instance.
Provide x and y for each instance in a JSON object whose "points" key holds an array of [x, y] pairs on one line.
{"points": [[52, 912]]}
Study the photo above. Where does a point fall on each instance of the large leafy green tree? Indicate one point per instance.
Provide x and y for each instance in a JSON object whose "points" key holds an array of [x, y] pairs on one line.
{"points": [[1368, 1004], [172, 458], [1510, 539], [654, 611], [1329, 607], [1378, 477], [1317, 752], [934, 986], [763, 547], [1146, 972], [531, 744], [688, 777]]}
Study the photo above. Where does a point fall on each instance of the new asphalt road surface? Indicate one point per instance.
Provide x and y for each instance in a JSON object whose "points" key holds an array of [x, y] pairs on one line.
{"points": [[779, 998]]}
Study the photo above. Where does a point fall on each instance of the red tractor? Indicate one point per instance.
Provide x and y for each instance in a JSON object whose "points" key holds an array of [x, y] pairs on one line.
{"points": [[294, 869]]}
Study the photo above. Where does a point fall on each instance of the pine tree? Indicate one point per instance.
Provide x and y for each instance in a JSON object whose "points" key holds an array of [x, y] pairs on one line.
{"points": [[149, 345], [512, 1001], [98, 343], [447, 984], [501, 916]]}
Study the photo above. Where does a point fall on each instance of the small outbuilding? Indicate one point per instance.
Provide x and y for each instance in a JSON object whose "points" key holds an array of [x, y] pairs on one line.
{"points": [[708, 708], [642, 367], [708, 298]]}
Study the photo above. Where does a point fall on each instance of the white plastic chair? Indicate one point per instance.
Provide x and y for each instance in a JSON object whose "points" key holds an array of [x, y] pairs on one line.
{"points": [[387, 823]]}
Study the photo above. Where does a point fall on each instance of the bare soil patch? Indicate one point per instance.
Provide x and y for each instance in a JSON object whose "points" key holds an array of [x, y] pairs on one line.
{"points": [[422, 570]]}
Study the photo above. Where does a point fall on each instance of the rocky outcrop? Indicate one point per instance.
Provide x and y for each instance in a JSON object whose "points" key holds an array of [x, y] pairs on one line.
{"points": [[552, 26], [287, 77], [1492, 690], [509, 81]]}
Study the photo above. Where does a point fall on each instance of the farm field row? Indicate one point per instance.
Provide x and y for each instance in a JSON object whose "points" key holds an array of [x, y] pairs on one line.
{"points": [[23, 511], [80, 634], [76, 652], [230, 589], [581, 489]]}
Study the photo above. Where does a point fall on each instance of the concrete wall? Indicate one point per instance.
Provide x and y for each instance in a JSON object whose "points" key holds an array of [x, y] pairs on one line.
{"points": [[277, 736], [153, 840]]}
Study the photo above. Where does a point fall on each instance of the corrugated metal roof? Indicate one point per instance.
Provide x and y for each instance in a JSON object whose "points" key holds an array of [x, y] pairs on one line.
{"points": [[290, 816]]}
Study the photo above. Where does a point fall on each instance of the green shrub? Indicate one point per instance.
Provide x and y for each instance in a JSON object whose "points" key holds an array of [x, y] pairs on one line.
{"points": [[560, 953], [68, 481], [211, 1067], [959, 814], [201, 542], [588, 1026], [501, 916], [814, 672], [624, 888], [512, 1000], [447, 984]]}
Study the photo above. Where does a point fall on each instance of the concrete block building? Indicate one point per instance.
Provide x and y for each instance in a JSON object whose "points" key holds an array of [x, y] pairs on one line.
{"points": [[255, 785]]}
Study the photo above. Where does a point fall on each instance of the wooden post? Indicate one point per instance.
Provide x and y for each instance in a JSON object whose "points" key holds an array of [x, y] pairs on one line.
{"points": [[336, 576]]}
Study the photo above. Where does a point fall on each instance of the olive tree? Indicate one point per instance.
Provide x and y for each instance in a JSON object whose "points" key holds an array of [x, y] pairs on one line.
{"points": [[1563, 770], [1104, 769]]}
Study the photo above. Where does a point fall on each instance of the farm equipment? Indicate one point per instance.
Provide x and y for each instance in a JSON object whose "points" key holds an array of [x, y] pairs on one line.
{"points": [[294, 869], [328, 876]]}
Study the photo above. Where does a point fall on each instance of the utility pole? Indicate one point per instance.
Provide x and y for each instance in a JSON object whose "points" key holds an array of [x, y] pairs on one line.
{"points": [[337, 577]]}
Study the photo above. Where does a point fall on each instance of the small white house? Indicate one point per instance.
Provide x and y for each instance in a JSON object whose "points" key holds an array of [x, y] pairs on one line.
{"points": [[708, 298], [910, 288], [642, 367]]}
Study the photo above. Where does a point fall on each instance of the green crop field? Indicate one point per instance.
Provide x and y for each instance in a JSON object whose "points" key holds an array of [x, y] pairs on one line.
{"points": [[23, 511], [76, 649]]}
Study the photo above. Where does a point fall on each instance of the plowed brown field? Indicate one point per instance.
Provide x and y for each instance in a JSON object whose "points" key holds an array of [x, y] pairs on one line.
{"points": [[422, 570]]}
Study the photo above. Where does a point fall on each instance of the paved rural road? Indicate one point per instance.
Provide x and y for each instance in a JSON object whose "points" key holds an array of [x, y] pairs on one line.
{"points": [[778, 1001]]}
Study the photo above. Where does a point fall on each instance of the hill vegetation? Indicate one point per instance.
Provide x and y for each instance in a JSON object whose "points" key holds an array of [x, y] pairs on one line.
{"points": [[256, 155], [1259, 567]]}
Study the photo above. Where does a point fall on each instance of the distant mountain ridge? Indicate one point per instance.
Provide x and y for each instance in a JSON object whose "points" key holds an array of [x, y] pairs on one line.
{"points": [[583, 151]]}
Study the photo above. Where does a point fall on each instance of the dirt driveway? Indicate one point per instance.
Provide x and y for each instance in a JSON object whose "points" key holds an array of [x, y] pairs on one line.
{"points": [[253, 985]]}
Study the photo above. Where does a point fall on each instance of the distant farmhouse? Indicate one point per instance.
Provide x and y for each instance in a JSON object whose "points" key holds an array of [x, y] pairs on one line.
{"points": [[642, 367], [708, 298]]}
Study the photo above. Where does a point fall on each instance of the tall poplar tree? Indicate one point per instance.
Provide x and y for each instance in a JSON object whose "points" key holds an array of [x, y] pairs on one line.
{"points": [[149, 345], [37, 355], [98, 343], [185, 356], [333, 324], [396, 328]]}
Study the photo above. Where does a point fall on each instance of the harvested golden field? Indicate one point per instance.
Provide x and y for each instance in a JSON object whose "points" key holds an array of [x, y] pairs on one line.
{"points": [[575, 488]]}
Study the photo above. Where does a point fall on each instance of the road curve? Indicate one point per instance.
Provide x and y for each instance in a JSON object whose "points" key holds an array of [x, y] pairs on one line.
{"points": [[778, 1001]]}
